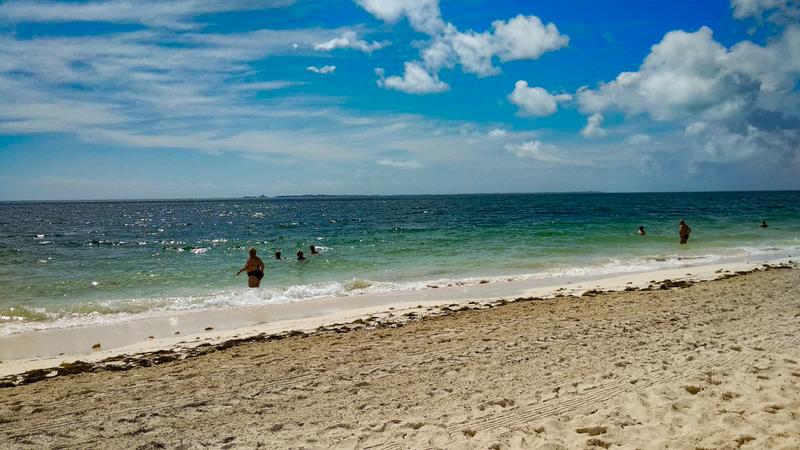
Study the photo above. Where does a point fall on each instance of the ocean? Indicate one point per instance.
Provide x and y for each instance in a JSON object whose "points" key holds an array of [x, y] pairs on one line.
{"points": [[67, 264]]}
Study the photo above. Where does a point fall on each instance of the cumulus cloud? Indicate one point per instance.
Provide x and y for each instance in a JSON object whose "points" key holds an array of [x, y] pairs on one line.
{"points": [[415, 80], [593, 128], [322, 69], [159, 13], [776, 10], [686, 74], [349, 39], [535, 101], [423, 15], [727, 99], [399, 164], [526, 37], [519, 38]]}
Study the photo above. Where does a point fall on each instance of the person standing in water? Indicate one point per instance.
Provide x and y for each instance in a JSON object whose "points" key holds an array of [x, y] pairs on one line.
{"points": [[641, 230], [254, 268], [300, 256], [684, 231], [764, 224], [313, 250]]}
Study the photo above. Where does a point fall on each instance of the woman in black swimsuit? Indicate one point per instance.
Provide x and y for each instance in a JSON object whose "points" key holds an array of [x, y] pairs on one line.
{"points": [[254, 268]]}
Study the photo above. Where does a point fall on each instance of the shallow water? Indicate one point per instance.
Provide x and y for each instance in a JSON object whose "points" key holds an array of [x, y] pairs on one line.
{"points": [[80, 262]]}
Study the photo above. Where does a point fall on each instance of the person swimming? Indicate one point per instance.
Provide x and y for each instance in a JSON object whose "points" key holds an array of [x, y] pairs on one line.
{"points": [[313, 250], [300, 256], [764, 224], [278, 255], [641, 230], [684, 231], [254, 268]]}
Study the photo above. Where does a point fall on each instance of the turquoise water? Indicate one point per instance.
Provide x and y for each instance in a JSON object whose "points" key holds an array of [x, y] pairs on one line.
{"points": [[66, 263]]}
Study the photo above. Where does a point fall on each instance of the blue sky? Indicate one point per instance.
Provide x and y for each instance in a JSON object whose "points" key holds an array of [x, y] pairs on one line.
{"points": [[200, 98]]}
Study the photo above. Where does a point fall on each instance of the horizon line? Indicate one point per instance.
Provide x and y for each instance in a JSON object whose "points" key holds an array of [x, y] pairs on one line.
{"points": [[291, 196]]}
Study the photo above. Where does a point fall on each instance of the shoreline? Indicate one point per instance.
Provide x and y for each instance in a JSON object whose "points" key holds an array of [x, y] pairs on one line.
{"points": [[214, 330], [680, 365]]}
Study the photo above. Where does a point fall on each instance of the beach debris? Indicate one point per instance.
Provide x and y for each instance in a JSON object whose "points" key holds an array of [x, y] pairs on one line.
{"points": [[177, 332], [209, 328], [592, 431], [598, 443], [96, 346], [669, 284], [693, 389], [741, 440]]}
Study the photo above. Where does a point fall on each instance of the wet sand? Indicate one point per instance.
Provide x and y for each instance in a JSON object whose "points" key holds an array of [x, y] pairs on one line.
{"points": [[706, 365]]}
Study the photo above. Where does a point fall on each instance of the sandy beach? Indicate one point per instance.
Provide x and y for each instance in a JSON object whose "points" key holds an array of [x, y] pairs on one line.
{"points": [[713, 364]]}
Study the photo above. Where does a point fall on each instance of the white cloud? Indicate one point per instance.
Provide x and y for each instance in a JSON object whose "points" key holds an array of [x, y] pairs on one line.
{"points": [[273, 85], [724, 98], [526, 37], [638, 139], [399, 164], [415, 80], [535, 101], [780, 10], [474, 51], [521, 37], [438, 55], [497, 133], [593, 128], [544, 154], [695, 128], [349, 39], [162, 89], [685, 75], [322, 69], [156, 13], [423, 15]]}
